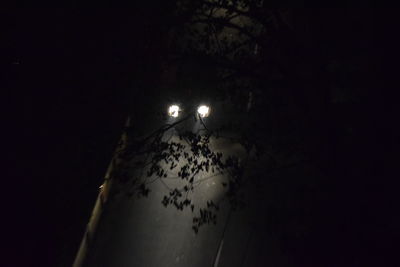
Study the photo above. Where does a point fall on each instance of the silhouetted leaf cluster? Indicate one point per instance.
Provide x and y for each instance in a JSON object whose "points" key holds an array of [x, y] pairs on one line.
{"points": [[207, 216], [189, 156]]}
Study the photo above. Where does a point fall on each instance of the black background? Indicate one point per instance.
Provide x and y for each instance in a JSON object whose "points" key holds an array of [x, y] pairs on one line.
{"points": [[71, 77]]}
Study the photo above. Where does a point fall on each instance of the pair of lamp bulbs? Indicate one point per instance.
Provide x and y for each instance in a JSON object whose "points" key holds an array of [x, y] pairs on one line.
{"points": [[202, 110]]}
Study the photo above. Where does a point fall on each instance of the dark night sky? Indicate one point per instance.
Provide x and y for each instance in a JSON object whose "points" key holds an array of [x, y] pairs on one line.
{"points": [[69, 75]]}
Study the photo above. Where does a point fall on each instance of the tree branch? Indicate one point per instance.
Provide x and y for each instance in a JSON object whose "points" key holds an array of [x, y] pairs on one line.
{"points": [[227, 24]]}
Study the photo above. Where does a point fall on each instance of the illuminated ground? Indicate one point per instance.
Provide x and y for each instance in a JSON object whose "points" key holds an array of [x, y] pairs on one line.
{"points": [[142, 232]]}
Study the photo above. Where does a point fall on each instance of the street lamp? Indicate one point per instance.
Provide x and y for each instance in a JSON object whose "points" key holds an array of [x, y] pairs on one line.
{"points": [[173, 111], [203, 111]]}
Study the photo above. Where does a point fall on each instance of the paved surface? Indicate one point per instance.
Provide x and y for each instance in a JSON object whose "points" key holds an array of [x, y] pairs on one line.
{"points": [[271, 230], [142, 232]]}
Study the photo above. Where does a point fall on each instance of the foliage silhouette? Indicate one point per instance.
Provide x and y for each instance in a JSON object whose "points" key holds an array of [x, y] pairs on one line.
{"points": [[189, 156], [232, 38]]}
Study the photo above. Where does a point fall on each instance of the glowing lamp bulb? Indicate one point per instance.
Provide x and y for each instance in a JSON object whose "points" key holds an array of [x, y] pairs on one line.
{"points": [[173, 111], [203, 111]]}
